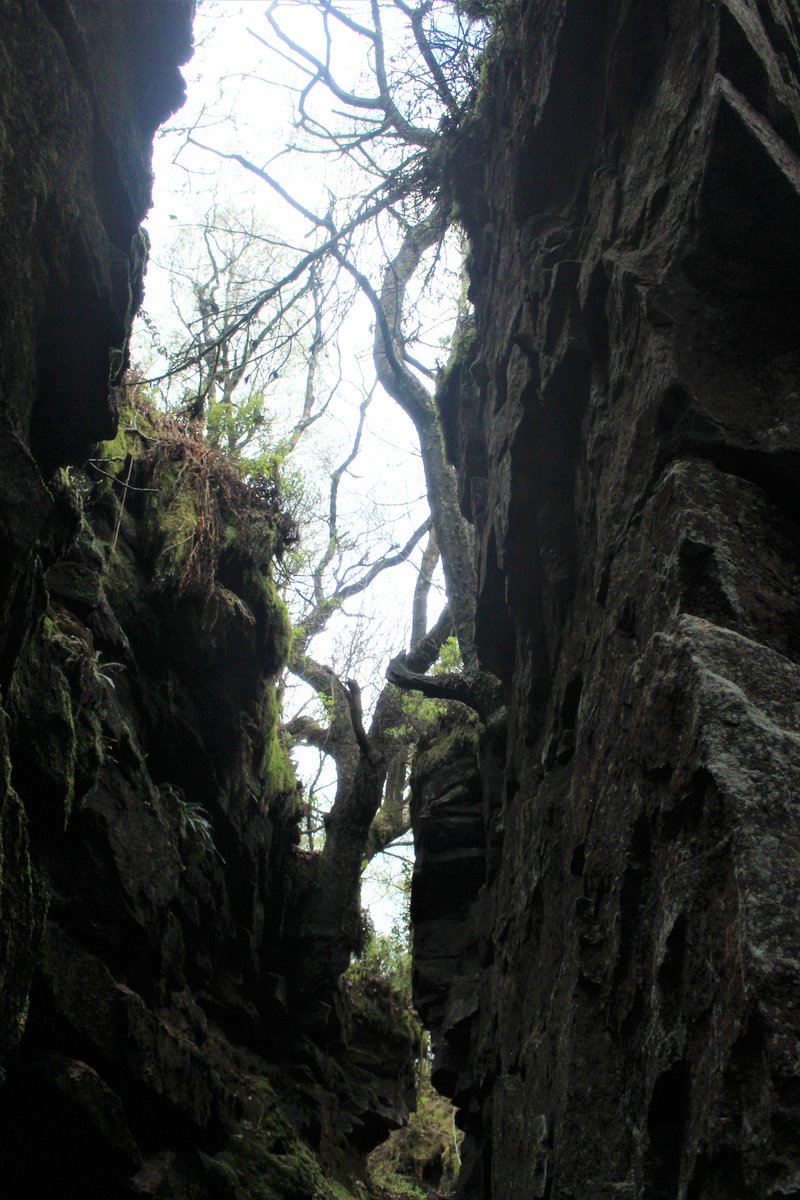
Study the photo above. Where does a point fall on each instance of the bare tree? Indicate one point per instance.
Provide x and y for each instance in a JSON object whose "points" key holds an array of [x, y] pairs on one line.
{"points": [[339, 565], [394, 128]]}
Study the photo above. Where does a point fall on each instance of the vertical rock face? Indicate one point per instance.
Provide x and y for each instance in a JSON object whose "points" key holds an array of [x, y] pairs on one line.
{"points": [[84, 87], [151, 1042], [627, 427]]}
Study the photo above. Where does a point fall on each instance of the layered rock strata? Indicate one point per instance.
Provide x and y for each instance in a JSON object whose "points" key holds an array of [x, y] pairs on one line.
{"points": [[626, 422]]}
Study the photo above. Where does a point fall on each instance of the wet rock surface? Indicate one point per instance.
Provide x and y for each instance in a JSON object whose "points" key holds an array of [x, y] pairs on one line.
{"points": [[625, 422]]}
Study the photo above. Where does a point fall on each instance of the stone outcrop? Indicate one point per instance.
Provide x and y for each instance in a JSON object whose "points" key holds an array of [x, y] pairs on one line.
{"points": [[449, 869], [151, 1040], [626, 425]]}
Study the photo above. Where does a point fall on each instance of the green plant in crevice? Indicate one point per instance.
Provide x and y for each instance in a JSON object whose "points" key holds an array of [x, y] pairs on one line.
{"points": [[192, 819], [104, 671], [204, 509], [92, 669]]}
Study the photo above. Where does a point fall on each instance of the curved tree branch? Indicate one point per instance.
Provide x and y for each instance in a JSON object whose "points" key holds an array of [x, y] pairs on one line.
{"points": [[479, 691], [453, 534], [353, 694], [303, 730]]}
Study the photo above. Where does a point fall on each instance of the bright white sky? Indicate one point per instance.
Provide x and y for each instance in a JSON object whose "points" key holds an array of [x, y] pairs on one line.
{"points": [[230, 108], [233, 108]]}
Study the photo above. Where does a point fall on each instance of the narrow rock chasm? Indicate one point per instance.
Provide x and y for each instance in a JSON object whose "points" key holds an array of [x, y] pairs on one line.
{"points": [[605, 893]]}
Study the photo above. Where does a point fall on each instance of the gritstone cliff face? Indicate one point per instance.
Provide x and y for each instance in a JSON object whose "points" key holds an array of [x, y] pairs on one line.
{"points": [[151, 1040], [626, 422]]}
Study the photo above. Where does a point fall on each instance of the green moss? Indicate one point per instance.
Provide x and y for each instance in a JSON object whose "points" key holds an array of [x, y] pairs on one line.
{"points": [[461, 353], [204, 528], [398, 1187], [428, 1141], [143, 473], [374, 1002], [265, 1160], [173, 524], [279, 776], [279, 621], [457, 737], [194, 531], [338, 1192], [221, 1174], [133, 427], [499, 15], [277, 771], [124, 580]]}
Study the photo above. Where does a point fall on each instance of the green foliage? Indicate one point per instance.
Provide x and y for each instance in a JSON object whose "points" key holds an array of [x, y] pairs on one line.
{"points": [[379, 977], [385, 957], [449, 660], [423, 714], [207, 515], [394, 1186], [377, 1003], [192, 819], [104, 671], [426, 1151], [243, 429]]}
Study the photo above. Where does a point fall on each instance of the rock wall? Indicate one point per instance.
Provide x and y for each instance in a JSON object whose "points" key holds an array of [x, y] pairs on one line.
{"points": [[626, 422], [151, 1040], [84, 87]]}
